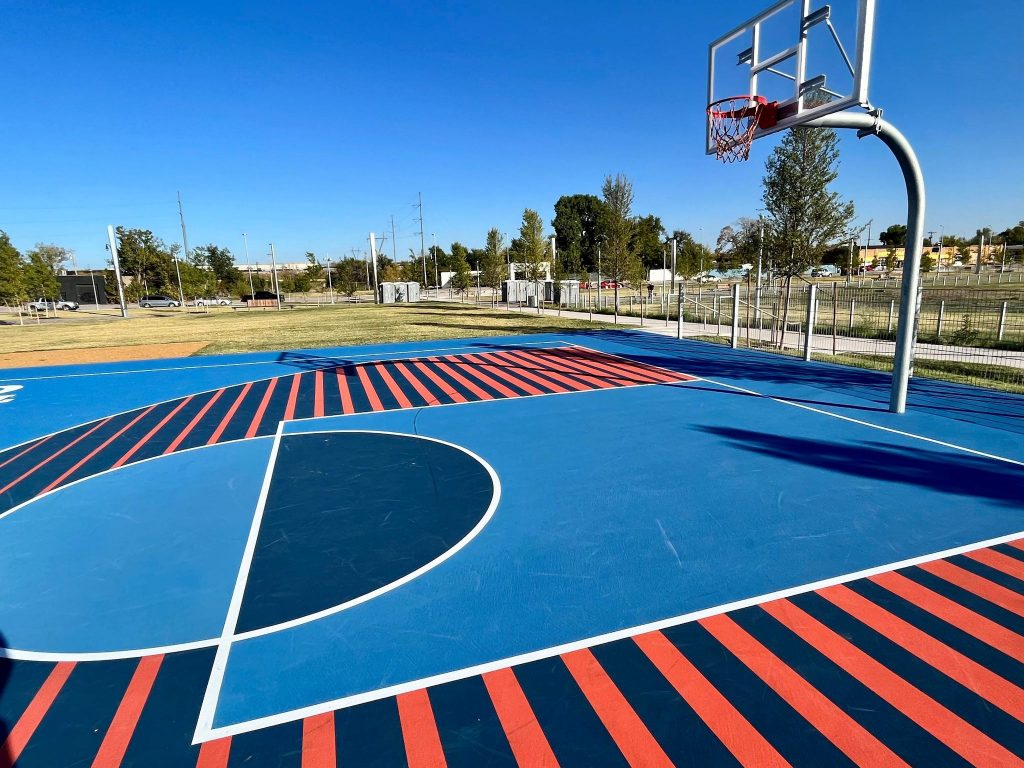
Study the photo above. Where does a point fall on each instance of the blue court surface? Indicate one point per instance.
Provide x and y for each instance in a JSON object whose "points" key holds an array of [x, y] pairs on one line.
{"points": [[587, 549]]}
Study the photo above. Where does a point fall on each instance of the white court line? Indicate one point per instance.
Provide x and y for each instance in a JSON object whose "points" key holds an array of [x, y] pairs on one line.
{"points": [[220, 661], [560, 344], [373, 355], [805, 407], [546, 653]]}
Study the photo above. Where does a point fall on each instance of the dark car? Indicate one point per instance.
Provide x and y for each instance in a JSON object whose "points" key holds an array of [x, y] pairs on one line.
{"points": [[158, 301], [263, 296]]}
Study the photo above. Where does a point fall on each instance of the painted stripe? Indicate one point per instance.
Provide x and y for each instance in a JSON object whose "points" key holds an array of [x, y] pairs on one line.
{"points": [[445, 368], [495, 368], [192, 424], [632, 366], [511, 366], [849, 736], [1011, 566], [319, 748], [625, 727], [529, 744], [1019, 544], [148, 436], [219, 431], [318, 394], [611, 376], [346, 396], [955, 665], [443, 385], [293, 396], [731, 728], [541, 366], [78, 465], [634, 373], [419, 730], [53, 456], [261, 411], [473, 370], [977, 585], [31, 447], [371, 393], [22, 732], [392, 386], [214, 754], [548, 363], [951, 612], [428, 397], [957, 734], [122, 727]]}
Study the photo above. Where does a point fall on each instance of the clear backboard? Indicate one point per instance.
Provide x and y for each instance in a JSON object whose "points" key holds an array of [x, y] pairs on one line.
{"points": [[795, 61]]}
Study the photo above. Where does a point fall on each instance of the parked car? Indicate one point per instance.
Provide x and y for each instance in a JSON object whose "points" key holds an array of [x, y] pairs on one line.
{"points": [[610, 284], [212, 301], [263, 296], [825, 270], [707, 279], [148, 302], [43, 305]]}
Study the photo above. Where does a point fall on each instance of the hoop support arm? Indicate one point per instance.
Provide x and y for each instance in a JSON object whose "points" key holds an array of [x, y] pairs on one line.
{"points": [[867, 124]]}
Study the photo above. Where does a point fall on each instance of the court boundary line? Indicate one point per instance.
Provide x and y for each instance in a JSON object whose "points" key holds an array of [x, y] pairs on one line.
{"points": [[812, 409], [237, 384], [620, 634], [228, 365]]}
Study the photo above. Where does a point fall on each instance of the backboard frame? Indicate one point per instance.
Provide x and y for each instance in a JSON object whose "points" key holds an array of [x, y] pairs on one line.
{"points": [[794, 111]]}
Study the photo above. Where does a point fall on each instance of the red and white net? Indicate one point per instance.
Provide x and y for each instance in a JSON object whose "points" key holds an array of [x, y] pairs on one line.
{"points": [[733, 123]]}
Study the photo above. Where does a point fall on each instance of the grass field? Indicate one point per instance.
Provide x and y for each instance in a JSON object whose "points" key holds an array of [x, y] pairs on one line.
{"points": [[227, 330]]}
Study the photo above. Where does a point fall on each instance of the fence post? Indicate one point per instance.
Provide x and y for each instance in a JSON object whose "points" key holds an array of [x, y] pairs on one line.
{"points": [[892, 311], [680, 297], [938, 325], [736, 315], [812, 295], [853, 308], [1002, 322]]}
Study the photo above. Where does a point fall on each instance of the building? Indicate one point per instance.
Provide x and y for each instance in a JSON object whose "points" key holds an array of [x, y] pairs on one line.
{"points": [[85, 288]]}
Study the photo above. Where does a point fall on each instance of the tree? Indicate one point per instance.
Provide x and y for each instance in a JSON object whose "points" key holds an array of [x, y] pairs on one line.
{"points": [[691, 257], [577, 231], [145, 257], [646, 241], [738, 244], [531, 247], [1014, 235], [314, 270], [618, 261], [895, 236], [460, 279], [38, 277], [350, 274], [219, 261], [12, 287], [804, 216], [492, 265], [54, 256]]}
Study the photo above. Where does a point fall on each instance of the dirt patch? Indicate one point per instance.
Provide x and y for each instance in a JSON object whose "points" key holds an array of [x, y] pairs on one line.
{"points": [[99, 354]]}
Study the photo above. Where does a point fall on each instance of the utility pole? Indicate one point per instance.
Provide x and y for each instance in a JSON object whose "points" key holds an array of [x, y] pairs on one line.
{"points": [[330, 283], [981, 250], [423, 251], [394, 242], [117, 269], [373, 258], [184, 240], [248, 266], [433, 252], [273, 272]]}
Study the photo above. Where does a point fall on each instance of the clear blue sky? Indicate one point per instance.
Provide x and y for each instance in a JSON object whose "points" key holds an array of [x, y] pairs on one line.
{"points": [[311, 123]]}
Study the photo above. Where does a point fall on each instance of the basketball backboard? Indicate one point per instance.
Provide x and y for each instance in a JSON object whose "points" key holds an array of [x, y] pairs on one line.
{"points": [[808, 58]]}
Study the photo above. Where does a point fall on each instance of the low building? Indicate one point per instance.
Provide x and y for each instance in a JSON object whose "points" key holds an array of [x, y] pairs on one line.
{"points": [[85, 288]]}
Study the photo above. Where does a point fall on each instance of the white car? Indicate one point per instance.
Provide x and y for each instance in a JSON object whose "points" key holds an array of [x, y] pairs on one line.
{"points": [[215, 301], [43, 305]]}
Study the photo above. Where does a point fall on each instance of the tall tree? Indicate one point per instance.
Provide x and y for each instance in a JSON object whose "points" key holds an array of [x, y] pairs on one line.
{"points": [[219, 261], [146, 258], [691, 256], [618, 262], [894, 236], [804, 216], [738, 244], [647, 241], [492, 262], [531, 245], [54, 256], [12, 286], [577, 231], [38, 276]]}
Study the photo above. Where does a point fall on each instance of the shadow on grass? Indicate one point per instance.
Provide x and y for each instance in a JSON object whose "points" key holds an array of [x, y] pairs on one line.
{"points": [[944, 471]]}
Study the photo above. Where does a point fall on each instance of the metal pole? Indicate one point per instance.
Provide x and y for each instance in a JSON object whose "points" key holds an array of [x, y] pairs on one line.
{"points": [[117, 269], [330, 283], [273, 272], [248, 266], [906, 334], [664, 269], [184, 240], [736, 315], [599, 277], [981, 250], [760, 258], [423, 251], [680, 298], [938, 325], [812, 298], [373, 258], [1002, 322], [673, 266], [433, 253], [95, 296]]}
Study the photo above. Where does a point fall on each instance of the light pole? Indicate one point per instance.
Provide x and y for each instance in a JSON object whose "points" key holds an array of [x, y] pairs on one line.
{"points": [[117, 269], [330, 283], [273, 273], [433, 253]]}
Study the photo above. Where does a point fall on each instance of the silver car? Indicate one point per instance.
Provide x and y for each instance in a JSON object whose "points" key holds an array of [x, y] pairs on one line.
{"points": [[148, 302]]}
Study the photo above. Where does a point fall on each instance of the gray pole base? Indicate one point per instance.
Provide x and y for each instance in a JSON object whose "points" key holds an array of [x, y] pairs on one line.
{"points": [[866, 125]]}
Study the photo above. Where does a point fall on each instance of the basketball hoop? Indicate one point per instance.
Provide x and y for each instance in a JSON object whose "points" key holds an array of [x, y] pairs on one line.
{"points": [[733, 121]]}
